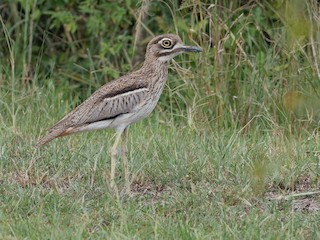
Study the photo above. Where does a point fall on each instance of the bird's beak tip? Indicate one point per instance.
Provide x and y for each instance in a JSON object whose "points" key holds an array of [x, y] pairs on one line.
{"points": [[192, 49]]}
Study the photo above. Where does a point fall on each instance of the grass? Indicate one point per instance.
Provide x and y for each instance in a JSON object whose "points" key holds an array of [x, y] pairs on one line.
{"points": [[188, 183], [231, 151]]}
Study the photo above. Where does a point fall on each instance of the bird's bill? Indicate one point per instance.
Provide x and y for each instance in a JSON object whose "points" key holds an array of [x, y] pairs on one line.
{"points": [[191, 49]]}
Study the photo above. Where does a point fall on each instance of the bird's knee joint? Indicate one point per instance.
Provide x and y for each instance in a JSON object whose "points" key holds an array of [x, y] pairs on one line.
{"points": [[124, 151], [114, 152]]}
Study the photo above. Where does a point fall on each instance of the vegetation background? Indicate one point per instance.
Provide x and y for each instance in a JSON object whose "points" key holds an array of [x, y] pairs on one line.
{"points": [[231, 152]]}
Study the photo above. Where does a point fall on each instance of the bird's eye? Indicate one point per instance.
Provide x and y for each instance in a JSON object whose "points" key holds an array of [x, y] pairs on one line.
{"points": [[166, 43]]}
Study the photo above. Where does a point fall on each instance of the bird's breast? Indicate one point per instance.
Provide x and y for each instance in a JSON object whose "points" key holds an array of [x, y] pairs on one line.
{"points": [[149, 103]]}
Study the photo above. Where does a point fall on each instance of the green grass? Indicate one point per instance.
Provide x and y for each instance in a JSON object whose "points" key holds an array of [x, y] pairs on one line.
{"points": [[232, 150], [188, 183]]}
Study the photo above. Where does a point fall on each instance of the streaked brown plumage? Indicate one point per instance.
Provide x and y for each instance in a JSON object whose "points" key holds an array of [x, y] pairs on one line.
{"points": [[124, 101]]}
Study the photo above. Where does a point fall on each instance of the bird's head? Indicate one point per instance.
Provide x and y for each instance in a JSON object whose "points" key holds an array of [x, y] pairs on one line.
{"points": [[165, 47]]}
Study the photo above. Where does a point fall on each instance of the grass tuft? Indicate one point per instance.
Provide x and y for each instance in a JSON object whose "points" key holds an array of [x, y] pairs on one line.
{"points": [[230, 152]]}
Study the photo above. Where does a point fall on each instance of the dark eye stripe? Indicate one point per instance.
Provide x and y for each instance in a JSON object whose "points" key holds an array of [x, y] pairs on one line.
{"points": [[169, 53]]}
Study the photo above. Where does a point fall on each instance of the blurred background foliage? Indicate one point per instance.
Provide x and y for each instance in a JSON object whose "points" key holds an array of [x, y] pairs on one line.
{"points": [[260, 58]]}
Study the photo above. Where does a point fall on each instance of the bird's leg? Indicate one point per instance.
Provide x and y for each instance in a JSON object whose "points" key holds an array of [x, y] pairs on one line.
{"points": [[114, 151], [125, 159]]}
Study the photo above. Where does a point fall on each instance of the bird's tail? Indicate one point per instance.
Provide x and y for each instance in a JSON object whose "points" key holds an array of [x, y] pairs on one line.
{"points": [[54, 132]]}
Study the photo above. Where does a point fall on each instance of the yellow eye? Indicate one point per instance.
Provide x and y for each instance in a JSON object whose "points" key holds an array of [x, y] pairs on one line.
{"points": [[166, 43]]}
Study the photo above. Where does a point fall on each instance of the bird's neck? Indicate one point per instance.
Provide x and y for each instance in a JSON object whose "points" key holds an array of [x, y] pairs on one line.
{"points": [[156, 70], [154, 65]]}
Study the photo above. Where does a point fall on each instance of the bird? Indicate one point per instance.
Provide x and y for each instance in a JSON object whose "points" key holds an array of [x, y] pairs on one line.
{"points": [[124, 101]]}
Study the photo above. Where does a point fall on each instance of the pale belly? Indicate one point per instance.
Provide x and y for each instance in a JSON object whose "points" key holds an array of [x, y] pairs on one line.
{"points": [[140, 112]]}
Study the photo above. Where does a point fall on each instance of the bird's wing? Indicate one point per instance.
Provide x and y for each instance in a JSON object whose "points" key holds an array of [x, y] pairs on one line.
{"points": [[109, 101], [104, 106]]}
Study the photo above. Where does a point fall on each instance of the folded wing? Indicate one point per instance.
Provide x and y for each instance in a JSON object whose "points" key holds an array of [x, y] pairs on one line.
{"points": [[108, 102]]}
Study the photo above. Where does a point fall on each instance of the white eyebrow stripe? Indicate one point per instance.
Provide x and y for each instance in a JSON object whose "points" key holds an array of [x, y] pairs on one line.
{"points": [[165, 39]]}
